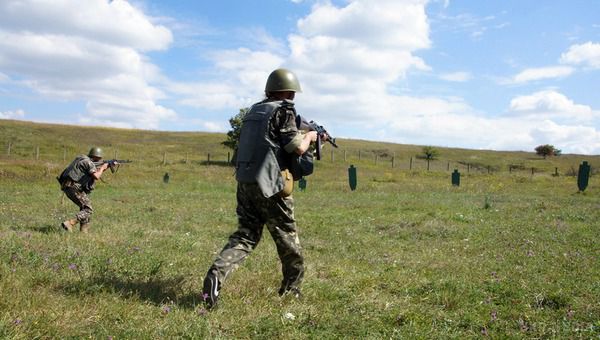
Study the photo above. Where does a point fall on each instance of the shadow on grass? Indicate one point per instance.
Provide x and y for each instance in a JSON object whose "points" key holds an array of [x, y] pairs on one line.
{"points": [[46, 229], [157, 291]]}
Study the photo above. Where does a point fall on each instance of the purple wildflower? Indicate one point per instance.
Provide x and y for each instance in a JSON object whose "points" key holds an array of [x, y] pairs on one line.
{"points": [[73, 266], [204, 296], [18, 321], [494, 315], [166, 309]]}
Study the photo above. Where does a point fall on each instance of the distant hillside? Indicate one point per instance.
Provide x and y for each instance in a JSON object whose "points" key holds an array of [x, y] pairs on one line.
{"points": [[57, 143]]}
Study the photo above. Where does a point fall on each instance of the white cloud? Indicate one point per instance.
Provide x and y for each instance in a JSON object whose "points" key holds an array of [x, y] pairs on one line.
{"points": [[214, 126], [540, 118], [569, 138], [396, 24], [353, 54], [109, 22], [17, 114], [533, 74], [551, 117], [235, 84], [552, 105], [456, 76], [587, 54], [82, 57]]}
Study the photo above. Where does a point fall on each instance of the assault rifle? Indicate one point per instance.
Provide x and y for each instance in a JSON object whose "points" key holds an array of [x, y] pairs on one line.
{"points": [[305, 125], [113, 164]]}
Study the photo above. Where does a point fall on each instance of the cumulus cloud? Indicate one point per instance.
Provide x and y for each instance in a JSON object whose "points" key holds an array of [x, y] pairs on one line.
{"points": [[235, 84], [539, 118], [81, 57], [355, 53], [17, 114], [551, 104], [587, 54], [533, 74], [551, 117]]}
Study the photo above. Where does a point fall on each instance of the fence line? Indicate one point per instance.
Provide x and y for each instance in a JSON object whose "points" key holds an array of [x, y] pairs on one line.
{"points": [[411, 163]]}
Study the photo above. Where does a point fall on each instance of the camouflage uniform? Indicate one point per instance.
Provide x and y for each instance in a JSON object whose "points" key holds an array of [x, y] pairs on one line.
{"points": [[77, 182], [257, 206]]}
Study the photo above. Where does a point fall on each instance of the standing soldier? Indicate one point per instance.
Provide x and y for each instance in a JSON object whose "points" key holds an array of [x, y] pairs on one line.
{"points": [[269, 142], [77, 181]]}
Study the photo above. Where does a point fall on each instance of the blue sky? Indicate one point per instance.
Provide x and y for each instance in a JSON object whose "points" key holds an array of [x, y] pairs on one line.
{"points": [[502, 75]]}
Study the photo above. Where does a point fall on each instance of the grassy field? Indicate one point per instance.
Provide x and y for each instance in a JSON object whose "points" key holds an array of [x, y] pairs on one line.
{"points": [[406, 255]]}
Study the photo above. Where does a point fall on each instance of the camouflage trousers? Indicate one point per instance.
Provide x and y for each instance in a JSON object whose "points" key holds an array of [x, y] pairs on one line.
{"points": [[254, 211], [83, 202]]}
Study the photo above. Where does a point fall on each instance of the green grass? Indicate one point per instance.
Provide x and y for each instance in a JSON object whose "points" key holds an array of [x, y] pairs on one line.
{"points": [[406, 255]]}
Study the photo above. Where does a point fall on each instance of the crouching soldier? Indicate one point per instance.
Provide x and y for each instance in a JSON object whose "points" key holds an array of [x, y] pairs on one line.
{"points": [[77, 181]]}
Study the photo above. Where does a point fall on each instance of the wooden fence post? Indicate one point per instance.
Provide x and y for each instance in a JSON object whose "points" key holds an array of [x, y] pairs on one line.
{"points": [[344, 155], [208, 159], [359, 155], [165, 158], [332, 156], [393, 158], [410, 165], [376, 159], [9, 147], [37, 152], [64, 153]]}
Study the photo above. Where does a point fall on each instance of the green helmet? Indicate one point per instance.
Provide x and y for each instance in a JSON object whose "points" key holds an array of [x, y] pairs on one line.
{"points": [[282, 80], [95, 152]]}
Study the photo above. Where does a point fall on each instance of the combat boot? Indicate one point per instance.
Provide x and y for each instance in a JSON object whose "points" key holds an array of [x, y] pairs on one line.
{"points": [[84, 228], [210, 290], [69, 224]]}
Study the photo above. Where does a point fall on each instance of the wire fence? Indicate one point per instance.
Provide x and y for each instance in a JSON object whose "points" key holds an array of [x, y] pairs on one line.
{"points": [[175, 154]]}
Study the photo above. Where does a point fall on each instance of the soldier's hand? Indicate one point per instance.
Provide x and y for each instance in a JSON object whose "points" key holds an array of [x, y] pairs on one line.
{"points": [[312, 135]]}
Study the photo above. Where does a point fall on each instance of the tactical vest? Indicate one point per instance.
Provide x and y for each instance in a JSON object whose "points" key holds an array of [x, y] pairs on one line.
{"points": [[74, 172], [259, 157]]}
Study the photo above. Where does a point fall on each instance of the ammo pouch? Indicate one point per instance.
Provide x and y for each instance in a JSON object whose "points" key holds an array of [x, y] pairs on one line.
{"points": [[302, 165], [288, 183]]}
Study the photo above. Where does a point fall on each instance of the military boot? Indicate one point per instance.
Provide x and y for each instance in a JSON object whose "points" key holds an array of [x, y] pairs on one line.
{"points": [[84, 228], [69, 224]]}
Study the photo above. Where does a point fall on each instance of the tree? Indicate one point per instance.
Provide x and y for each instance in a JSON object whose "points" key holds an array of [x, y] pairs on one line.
{"points": [[547, 150], [430, 153], [233, 135]]}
